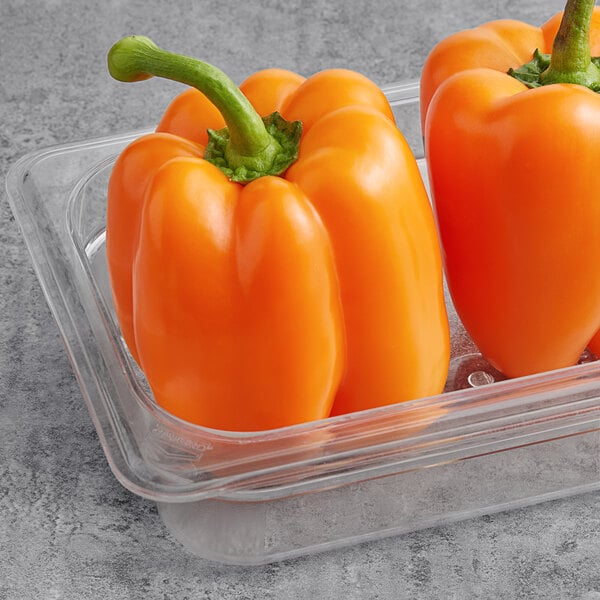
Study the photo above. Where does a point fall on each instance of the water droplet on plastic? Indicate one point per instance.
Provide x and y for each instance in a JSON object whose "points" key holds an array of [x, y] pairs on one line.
{"points": [[478, 378], [587, 357]]}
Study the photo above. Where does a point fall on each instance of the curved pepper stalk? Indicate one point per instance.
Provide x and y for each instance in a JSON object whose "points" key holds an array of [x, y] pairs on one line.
{"points": [[570, 60], [250, 147]]}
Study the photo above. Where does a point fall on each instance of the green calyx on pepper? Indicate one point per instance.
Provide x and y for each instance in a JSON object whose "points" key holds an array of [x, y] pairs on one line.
{"points": [[571, 60], [250, 146]]}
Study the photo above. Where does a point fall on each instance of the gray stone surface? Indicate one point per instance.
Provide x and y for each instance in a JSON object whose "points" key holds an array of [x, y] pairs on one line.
{"points": [[68, 530]]}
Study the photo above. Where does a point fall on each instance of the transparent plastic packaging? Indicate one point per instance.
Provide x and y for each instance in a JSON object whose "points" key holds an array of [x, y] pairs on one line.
{"points": [[484, 445]]}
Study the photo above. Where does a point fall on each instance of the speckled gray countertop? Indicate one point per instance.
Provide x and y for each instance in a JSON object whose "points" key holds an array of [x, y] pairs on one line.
{"points": [[68, 529]]}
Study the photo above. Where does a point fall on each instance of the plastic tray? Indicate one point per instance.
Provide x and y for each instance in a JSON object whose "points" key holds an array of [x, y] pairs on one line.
{"points": [[259, 497]]}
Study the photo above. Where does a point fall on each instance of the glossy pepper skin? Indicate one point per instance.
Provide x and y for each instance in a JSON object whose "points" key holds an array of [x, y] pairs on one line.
{"points": [[292, 297], [512, 173]]}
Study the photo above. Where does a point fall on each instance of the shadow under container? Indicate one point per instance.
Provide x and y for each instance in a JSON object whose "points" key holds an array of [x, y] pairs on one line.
{"points": [[484, 445]]}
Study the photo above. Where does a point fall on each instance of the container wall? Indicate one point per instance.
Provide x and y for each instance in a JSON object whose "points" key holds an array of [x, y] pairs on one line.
{"points": [[256, 532]]}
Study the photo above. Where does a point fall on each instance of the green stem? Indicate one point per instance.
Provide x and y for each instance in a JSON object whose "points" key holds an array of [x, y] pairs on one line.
{"points": [[250, 145], [571, 57]]}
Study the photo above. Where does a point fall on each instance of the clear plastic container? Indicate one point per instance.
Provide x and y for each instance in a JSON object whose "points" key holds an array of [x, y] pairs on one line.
{"points": [[483, 445]]}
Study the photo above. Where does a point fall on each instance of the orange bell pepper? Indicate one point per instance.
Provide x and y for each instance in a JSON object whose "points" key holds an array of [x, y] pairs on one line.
{"points": [[513, 152], [282, 269]]}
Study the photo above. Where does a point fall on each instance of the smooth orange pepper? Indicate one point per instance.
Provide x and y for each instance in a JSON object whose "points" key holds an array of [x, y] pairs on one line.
{"points": [[512, 173], [274, 299]]}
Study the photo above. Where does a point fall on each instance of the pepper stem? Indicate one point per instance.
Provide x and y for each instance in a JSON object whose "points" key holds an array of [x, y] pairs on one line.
{"points": [[250, 147], [571, 57]]}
